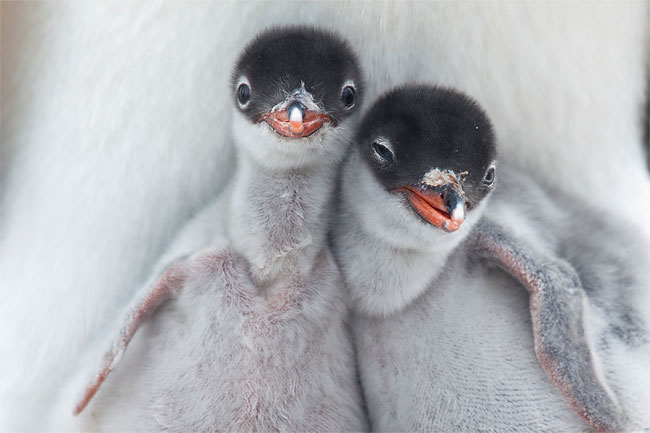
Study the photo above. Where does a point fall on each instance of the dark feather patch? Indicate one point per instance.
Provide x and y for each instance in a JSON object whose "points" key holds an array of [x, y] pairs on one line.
{"points": [[281, 59], [429, 127]]}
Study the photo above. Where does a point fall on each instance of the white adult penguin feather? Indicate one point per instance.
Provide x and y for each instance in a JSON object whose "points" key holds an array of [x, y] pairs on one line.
{"points": [[112, 134], [252, 336], [445, 339]]}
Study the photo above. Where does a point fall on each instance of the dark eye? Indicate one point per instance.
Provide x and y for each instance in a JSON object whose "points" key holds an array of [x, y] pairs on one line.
{"points": [[243, 94], [347, 96], [382, 151], [490, 174]]}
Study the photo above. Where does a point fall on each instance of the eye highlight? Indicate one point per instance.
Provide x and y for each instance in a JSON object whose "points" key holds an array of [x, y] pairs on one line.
{"points": [[383, 152], [348, 96], [490, 176], [243, 94]]}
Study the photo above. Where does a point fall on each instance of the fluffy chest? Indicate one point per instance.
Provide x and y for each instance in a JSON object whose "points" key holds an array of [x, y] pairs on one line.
{"points": [[222, 356], [275, 221], [464, 353]]}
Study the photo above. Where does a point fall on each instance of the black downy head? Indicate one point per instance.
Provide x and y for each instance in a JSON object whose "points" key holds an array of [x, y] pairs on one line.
{"points": [[434, 145], [296, 79]]}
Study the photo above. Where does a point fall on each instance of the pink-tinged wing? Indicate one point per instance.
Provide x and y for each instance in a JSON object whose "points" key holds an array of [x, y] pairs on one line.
{"points": [[557, 311], [165, 288]]}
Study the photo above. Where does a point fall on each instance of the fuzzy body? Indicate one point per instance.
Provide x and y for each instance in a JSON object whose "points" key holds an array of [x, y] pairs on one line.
{"points": [[248, 344], [447, 343], [223, 357], [257, 337], [461, 358]]}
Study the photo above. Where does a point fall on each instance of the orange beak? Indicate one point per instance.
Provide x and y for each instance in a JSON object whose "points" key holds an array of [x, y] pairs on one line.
{"points": [[295, 122], [442, 207]]}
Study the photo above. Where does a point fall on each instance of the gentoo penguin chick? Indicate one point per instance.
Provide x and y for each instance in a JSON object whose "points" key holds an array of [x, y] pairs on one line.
{"points": [[254, 336], [413, 226]]}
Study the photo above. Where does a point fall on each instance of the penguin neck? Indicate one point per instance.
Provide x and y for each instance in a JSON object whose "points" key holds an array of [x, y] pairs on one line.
{"points": [[277, 219], [387, 256]]}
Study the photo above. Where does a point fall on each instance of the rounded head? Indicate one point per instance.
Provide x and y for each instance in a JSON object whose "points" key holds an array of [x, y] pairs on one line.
{"points": [[433, 146], [294, 90]]}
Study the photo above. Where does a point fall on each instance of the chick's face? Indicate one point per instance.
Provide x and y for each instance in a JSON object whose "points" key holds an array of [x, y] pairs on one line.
{"points": [[433, 147], [295, 91]]}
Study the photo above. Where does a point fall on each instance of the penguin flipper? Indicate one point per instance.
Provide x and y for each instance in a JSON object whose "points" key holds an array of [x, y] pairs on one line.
{"points": [[166, 287], [557, 306]]}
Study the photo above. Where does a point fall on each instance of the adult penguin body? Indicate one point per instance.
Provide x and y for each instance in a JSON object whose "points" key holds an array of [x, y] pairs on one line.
{"points": [[113, 137]]}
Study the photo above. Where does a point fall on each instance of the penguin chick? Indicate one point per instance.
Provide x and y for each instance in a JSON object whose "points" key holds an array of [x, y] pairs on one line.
{"points": [[252, 334], [413, 215]]}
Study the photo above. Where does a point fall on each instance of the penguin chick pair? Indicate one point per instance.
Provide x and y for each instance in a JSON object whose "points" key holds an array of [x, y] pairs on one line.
{"points": [[443, 334], [254, 337], [245, 318]]}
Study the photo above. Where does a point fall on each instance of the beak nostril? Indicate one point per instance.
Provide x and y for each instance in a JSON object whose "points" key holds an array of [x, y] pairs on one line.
{"points": [[449, 204]]}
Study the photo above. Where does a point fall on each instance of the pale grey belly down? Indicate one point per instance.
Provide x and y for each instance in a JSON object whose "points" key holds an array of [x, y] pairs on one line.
{"points": [[206, 369], [459, 359]]}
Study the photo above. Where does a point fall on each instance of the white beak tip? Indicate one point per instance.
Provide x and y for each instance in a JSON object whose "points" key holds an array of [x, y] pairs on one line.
{"points": [[295, 115], [459, 213]]}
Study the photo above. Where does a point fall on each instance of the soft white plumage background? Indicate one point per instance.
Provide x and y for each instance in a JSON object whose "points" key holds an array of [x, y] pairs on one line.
{"points": [[115, 125]]}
